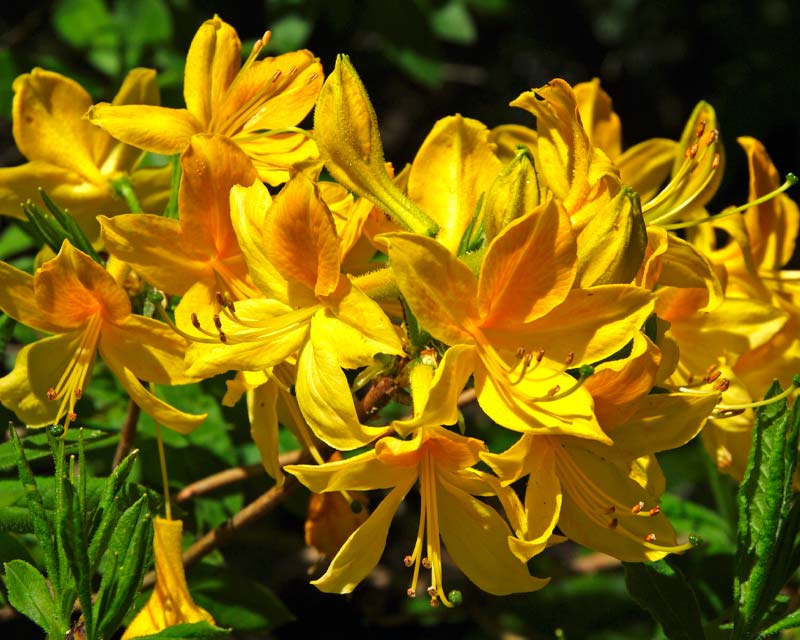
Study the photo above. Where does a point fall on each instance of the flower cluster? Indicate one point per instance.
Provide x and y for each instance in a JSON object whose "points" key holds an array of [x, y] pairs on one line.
{"points": [[579, 294]]}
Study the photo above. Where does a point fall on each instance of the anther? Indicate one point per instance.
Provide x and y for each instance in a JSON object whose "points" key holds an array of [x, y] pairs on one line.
{"points": [[520, 353], [231, 306], [292, 71], [432, 591], [217, 322], [195, 320], [650, 537], [713, 376], [276, 75], [528, 359], [553, 391], [722, 385], [408, 561], [655, 511], [570, 357], [613, 524], [72, 416], [701, 126], [223, 338], [539, 355], [426, 562], [715, 162], [411, 593], [78, 393], [712, 137], [637, 507], [220, 298], [691, 152], [312, 77], [611, 509], [434, 602], [51, 394]]}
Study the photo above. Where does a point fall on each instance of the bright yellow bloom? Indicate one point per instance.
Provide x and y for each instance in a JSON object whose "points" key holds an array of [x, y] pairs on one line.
{"points": [[197, 256], [74, 297], [171, 603], [475, 535], [310, 311], [523, 323], [247, 103], [70, 158]]}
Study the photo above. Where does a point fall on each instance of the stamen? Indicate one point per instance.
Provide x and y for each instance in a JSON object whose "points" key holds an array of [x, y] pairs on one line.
{"points": [[51, 394], [426, 562], [637, 507], [411, 593], [650, 537], [655, 511], [408, 561], [614, 523], [760, 403]]}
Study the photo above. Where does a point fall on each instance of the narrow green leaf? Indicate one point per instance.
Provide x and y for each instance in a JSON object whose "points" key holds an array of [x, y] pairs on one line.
{"points": [[36, 446], [108, 510], [76, 547], [193, 631], [791, 621], [29, 594], [41, 525], [665, 594], [762, 508], [134, 551]]}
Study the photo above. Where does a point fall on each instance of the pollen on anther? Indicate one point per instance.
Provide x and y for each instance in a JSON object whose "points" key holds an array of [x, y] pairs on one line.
{"points": [[434, 602], [722, 385], [716, 161], [411, 593], [72, 416], [712, 137], [701, 127], [432, 591], [713, 376], [51, 394], [78, 393], [426, 562], [691, 152], [637, 507], [408, 561], [650, 537], [655, 511]]}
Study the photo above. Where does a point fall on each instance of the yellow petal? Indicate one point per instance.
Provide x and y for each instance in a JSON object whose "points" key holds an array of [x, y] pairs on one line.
{"points": [[150, 349], [171, 603], [663, 421], [157, 129], [439, 288], [324, 396], [476, 537], [359, 555], [359, 473], [278, 156], [152, 246], [37, 369], [452, 170], [645, 166], [262, 409], [48, 123], [601, 122], [18, 301], [211, 166], [212, 62], [300, 224], [160, 411], [72, 287], [508, 137], [528, 268]]}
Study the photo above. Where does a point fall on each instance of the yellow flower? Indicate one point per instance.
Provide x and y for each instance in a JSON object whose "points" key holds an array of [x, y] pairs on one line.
{"points": [[309, 310], [74, 297], [197, 256], [247, 103], [523, 323], [475, 535], [71, 159], [171, 603]]}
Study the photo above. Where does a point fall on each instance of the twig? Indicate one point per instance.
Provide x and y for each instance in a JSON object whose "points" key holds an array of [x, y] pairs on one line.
{"points": [[467, 396], [229, 476], [127, 435], [223, 533], [8, 613]]}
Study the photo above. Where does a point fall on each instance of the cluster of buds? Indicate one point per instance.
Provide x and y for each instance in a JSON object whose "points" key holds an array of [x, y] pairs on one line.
{"points": [[579, 294]]}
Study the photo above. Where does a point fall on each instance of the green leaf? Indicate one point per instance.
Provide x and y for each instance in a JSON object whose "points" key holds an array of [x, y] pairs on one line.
{"points": [[791, 621], [80, 22], [289, 33], [76, 547], [665, 594], [193, 631], [695, 519], [235, 600], [765, 504], [129, 547], [36, 446], [453, 23], [29, 594]]}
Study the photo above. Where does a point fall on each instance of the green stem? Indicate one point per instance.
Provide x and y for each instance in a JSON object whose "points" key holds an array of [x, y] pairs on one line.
{"points": [[123, 187]]}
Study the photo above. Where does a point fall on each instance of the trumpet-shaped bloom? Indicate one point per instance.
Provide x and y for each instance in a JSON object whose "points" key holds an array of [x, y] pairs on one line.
{"points": [[75, 298], [523, 323], [70, 158], [474, 534], [247, 103], [171, 603], [309, 311]]}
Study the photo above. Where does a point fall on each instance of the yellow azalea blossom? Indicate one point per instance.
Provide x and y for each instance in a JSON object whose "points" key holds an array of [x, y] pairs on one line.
{"points": [[84, 305], [474, 534], [171, 603], [70, 158], [606, 215], [524, 324], [605, 497], [249, 103], [197, 256], [309, 310]]}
